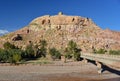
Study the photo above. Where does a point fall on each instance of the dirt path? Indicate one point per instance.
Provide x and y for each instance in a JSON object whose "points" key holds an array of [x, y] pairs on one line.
{"points": [[73, 71]]}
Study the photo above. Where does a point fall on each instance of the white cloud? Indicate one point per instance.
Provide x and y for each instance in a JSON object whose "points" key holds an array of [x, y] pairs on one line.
{"points": [[2, 32]]}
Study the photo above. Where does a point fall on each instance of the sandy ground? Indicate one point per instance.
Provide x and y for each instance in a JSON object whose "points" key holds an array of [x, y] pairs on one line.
{"points": [[73, 71]]}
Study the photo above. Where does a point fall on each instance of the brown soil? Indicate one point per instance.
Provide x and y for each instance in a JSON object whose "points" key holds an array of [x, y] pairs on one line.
{"points": [[73, 71]]}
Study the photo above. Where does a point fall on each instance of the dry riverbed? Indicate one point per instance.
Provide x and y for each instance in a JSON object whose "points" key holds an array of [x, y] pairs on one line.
{"points": [[58, 71]]}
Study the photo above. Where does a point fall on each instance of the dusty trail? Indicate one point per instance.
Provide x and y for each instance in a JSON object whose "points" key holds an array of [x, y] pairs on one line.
{"points": [[74, 71]]}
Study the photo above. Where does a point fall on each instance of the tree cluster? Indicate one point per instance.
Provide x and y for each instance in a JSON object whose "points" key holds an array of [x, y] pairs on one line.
{"points": [[10, 53], [13, 54]]}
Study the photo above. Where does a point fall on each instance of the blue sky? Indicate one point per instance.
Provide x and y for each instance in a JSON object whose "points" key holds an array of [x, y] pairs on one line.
{"points": [[15, 14]]}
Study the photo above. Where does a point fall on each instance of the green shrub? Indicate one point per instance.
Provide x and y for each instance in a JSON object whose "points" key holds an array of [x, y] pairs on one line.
{"points": [[14, 55], [55, 54], [72, 51], [114, 52], [68, 56], [77, 54], [72, 45], [4, 55], [43, 49], [100, 51], [8, 45], [29, 52], [10, 56], [16, 58]]}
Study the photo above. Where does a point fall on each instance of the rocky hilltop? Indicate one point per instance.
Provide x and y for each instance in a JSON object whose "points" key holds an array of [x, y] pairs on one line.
{"points": [[59, 29]]}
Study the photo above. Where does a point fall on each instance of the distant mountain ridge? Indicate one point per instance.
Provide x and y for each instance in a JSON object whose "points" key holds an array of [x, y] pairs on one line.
{"points": [[3, 32], [59, 29]]}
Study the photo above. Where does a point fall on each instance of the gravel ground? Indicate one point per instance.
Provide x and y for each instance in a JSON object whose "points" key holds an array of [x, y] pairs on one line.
{"points": [[73, 71]]}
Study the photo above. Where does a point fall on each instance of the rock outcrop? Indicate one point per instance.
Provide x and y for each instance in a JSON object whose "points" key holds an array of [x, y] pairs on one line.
{"points": [[59, 29], [61, 21], [17, 37]]}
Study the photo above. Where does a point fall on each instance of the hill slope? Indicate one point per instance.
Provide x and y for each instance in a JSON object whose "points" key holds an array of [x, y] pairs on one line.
{"points": [[59, 29]]}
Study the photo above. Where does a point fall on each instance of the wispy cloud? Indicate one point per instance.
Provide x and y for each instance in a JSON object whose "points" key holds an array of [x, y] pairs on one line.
{"points": [[2, 32]]}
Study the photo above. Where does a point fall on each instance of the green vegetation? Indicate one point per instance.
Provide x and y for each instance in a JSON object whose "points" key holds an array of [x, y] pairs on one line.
{"points": [[72, 51], [68, 55], [14, 55], [114, 52], [8, 45], [43, 48], [103, 51], [3, 55], [35, 51], [29, 51], [99, 51], [55, 54], [10, 55]]}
